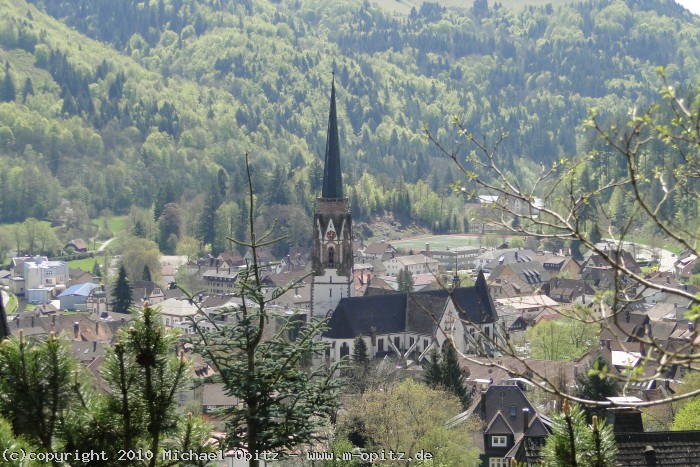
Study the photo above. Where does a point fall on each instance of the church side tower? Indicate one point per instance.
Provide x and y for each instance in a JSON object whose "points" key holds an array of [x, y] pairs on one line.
{"points": [[332, 230]]}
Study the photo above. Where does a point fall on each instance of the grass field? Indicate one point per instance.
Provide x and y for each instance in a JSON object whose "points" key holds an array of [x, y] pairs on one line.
{"points": [[436, 241], [116, 224], [84, 264]]}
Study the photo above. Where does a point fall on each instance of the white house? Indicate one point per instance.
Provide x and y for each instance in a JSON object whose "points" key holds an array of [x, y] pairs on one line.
{"points": [[44, 278], [416, 264]]}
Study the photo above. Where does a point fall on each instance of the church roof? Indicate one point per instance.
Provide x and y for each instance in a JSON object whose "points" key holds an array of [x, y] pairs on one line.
{"points": [[332, 177], [415, 312]]}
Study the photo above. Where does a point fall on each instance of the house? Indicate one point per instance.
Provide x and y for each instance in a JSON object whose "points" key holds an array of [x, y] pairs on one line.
{"points": [[43, 279], [598, 270], [464, 257], [558, 265], [509, 256], [220, 280], [143, 291], [410, 324], [78, 276], [74, 298], [487, 257], [175, 311], [567, 290], [685, 265], [415, 264], [512, 426], [378, 250], [214, 398], [517, 279], [77, 245], [17, 264], [97, 301], [636, 447]]}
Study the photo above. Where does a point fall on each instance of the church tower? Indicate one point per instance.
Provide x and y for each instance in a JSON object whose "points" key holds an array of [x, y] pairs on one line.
{"points": [[332, 230]]}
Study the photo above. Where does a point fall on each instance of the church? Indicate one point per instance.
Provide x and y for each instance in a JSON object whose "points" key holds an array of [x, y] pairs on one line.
{"points": [[406, 325]]}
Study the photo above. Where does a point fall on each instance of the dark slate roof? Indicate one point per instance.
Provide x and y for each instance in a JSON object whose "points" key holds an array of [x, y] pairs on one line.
{"points": [[662, 448], [498, 426], [417, 312], [498, 400], [332, 177], [355, 316]]}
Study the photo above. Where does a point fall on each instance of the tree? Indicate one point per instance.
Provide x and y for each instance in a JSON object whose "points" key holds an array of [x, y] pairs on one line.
{"points": [[146, 275], [137, 253], [444, 373], [404, 417], [645, 170], [360, 355], [168, 225], [573, 443], [593, 385], [688, 417], [206, 230], [404, 280], [96, 271], [285, 396], [8, 91], [121, 293], [563, 339]]}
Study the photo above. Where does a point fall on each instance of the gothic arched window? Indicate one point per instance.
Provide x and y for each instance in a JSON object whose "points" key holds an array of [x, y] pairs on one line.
{"points": [[331, 257]]}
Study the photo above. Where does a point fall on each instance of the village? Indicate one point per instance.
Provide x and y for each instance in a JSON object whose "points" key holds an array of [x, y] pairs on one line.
{"points": [[528, 322]]}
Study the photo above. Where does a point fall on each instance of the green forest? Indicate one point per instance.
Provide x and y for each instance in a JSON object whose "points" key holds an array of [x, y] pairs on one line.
{"points": [[126, 106]]}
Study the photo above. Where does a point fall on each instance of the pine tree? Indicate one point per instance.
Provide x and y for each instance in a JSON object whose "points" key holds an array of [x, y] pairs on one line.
{"points": [[591, 386], [121, 293], [360, 356], [146, 275], [453, 378], [433, 371], [28, 90], [573, 443], [96, 270], [8, 92]]}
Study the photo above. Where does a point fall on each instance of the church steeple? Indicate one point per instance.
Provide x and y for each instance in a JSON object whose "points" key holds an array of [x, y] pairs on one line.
{"points": [[332, 178]]}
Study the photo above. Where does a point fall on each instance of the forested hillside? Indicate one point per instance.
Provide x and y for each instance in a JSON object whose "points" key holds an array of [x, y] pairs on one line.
{"points": [[110, 104]]}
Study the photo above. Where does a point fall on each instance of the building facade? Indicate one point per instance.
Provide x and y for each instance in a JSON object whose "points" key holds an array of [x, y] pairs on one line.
{"points": [[332, 254]]}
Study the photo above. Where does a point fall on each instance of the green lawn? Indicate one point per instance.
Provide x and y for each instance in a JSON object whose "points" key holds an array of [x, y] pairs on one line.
{"points": [[116, 224], [436, 241], [11, 305], [84, 264]]}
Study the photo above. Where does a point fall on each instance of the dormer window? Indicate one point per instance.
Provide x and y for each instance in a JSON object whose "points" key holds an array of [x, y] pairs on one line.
{"points": [[499, 441]]}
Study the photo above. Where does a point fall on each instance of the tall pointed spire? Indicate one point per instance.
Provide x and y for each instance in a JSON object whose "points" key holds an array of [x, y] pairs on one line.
{"points": [[332, 178]]}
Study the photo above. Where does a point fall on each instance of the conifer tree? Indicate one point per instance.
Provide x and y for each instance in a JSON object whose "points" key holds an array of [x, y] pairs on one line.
{"points": [[360, 356], [443, 372], [28, 90], [146, 275], [284, 399], [573, 443], [8, 92], [96, 269], [592, 384], [121, 293]]}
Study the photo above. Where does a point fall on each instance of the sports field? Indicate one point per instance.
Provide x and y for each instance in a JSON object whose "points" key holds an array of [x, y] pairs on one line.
{"points": [[436, 242]]}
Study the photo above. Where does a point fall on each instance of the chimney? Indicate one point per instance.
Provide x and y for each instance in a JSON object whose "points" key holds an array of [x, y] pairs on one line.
{"points": [[76, 329], [97, 328], [607, 344], [691, 326], [94, 346], [526, 419], [32, 321], [427, 250], [482, 402], [649, 330], [201, 298]]}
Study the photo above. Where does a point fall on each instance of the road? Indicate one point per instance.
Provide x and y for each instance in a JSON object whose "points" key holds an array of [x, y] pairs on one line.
{"points": [[104, 245], [642, 251]]}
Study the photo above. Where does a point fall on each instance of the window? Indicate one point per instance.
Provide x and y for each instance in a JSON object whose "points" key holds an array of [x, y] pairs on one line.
{"points": [[380, 345], [498, 462], [499, 441], [513, 411], [331, 254]]}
